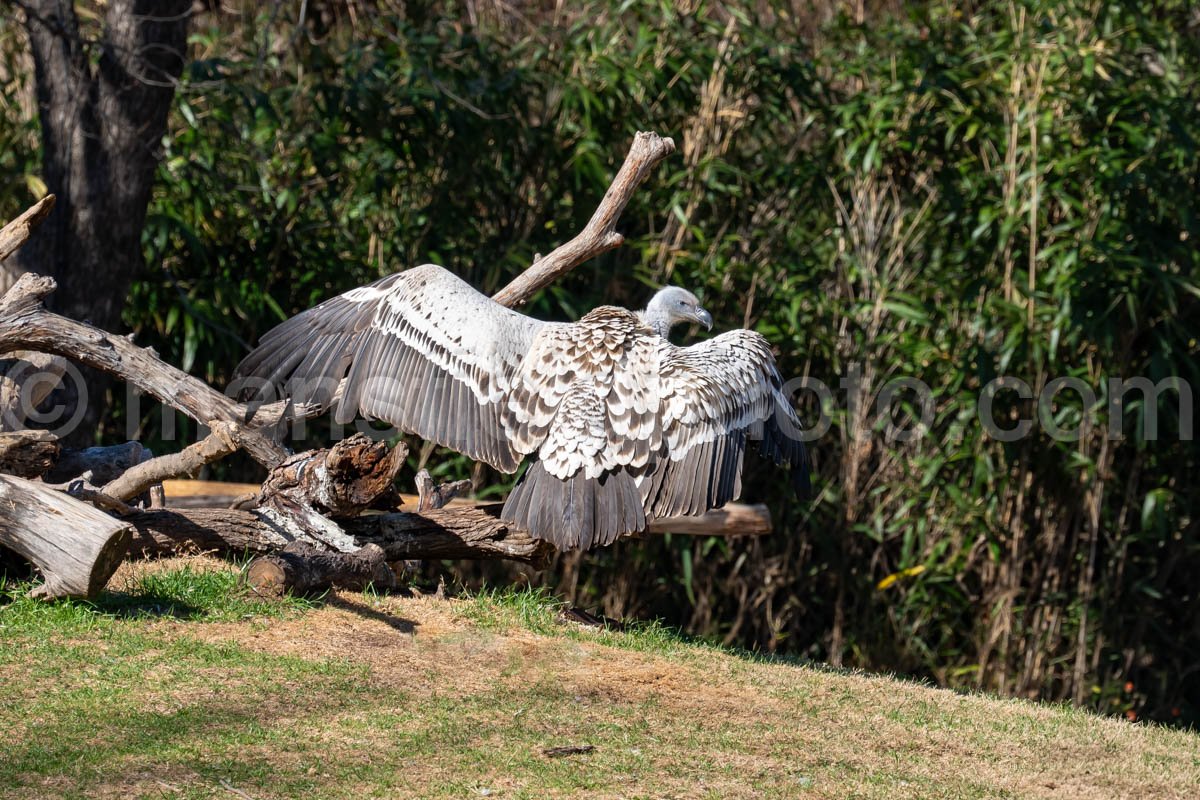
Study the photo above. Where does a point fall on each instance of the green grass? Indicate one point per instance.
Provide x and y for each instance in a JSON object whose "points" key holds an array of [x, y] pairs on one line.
{"points": [[181, 685], [94, 689], [534, 609], [186, 592]]}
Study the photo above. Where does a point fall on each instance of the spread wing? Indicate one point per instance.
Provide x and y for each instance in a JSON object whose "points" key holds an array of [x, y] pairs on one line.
{"points": [[715, 396], [420, 349]]}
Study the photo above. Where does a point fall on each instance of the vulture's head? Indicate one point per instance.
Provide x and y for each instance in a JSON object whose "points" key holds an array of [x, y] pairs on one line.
{"points": [[672, 306]]}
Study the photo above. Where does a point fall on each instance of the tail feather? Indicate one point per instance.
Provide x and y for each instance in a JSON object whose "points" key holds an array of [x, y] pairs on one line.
{"points": [[578, 512]]}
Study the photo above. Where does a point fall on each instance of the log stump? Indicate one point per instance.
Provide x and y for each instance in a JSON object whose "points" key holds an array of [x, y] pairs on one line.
{"points": [[76, 547], [302, 569]]}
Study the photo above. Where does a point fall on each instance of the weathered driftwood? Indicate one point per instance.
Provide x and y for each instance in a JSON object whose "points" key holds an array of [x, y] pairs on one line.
{"points": [[26, 325], [97, 465], [26, 379], [17, 233], [302, 569], [449, 533], [304, 494], [471, 532], [600, 234], [339, 481], [437, 495], [28, 454], [222, 441], [456, 532], [735, 519], [75, 546]]}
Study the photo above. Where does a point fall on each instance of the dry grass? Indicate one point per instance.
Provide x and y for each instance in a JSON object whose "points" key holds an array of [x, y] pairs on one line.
{"points": [[363, 696]]}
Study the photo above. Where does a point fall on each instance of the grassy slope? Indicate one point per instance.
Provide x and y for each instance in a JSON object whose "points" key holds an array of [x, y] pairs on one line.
{"points": [[176, 687]]}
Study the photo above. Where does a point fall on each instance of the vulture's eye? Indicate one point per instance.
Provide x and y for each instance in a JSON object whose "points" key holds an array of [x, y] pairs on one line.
{"points": [[683, 303]]}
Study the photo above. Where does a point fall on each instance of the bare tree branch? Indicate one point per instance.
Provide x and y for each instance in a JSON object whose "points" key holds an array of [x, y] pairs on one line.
{"points": [[221, 442], [17, 232], [26, 325], [600, 235]]}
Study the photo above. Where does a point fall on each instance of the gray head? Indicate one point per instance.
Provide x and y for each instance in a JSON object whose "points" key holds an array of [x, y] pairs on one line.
{"points": [[671, 306]]}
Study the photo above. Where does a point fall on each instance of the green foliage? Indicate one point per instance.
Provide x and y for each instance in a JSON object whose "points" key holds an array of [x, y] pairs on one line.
{"points": [[20, 185]]}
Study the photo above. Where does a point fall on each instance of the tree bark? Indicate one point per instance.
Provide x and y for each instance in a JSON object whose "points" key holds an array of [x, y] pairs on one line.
{"points": [[103, 107], [76, 547], [28, 454], [449, 533], [338, 481], [306, 493], [302, 569]]}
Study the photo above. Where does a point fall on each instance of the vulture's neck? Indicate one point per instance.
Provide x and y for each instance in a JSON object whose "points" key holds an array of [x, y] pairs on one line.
{"points": [[658, 319]]}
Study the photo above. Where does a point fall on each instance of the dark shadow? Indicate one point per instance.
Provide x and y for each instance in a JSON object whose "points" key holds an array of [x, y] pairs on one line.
{"points": [[366, 612], [125, 605], [13, 568]]}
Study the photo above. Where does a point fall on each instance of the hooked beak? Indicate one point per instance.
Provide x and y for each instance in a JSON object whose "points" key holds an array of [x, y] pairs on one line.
{"points": [[704, 318]]}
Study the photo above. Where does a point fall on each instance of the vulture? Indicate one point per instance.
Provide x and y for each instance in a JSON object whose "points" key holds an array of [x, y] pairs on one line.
{"points": [[620, 426]]}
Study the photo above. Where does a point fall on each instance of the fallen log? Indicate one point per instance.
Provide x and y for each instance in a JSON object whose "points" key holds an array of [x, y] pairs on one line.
{"points": [[76, 547], [734, 519], [448, 533], [302, 569], [305, 494], [358, 472]]}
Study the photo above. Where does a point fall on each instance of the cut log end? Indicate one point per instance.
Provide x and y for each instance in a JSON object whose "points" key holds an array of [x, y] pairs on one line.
{"points": [[301, 569], [76, 547], [107, 559], [267, 576]]}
